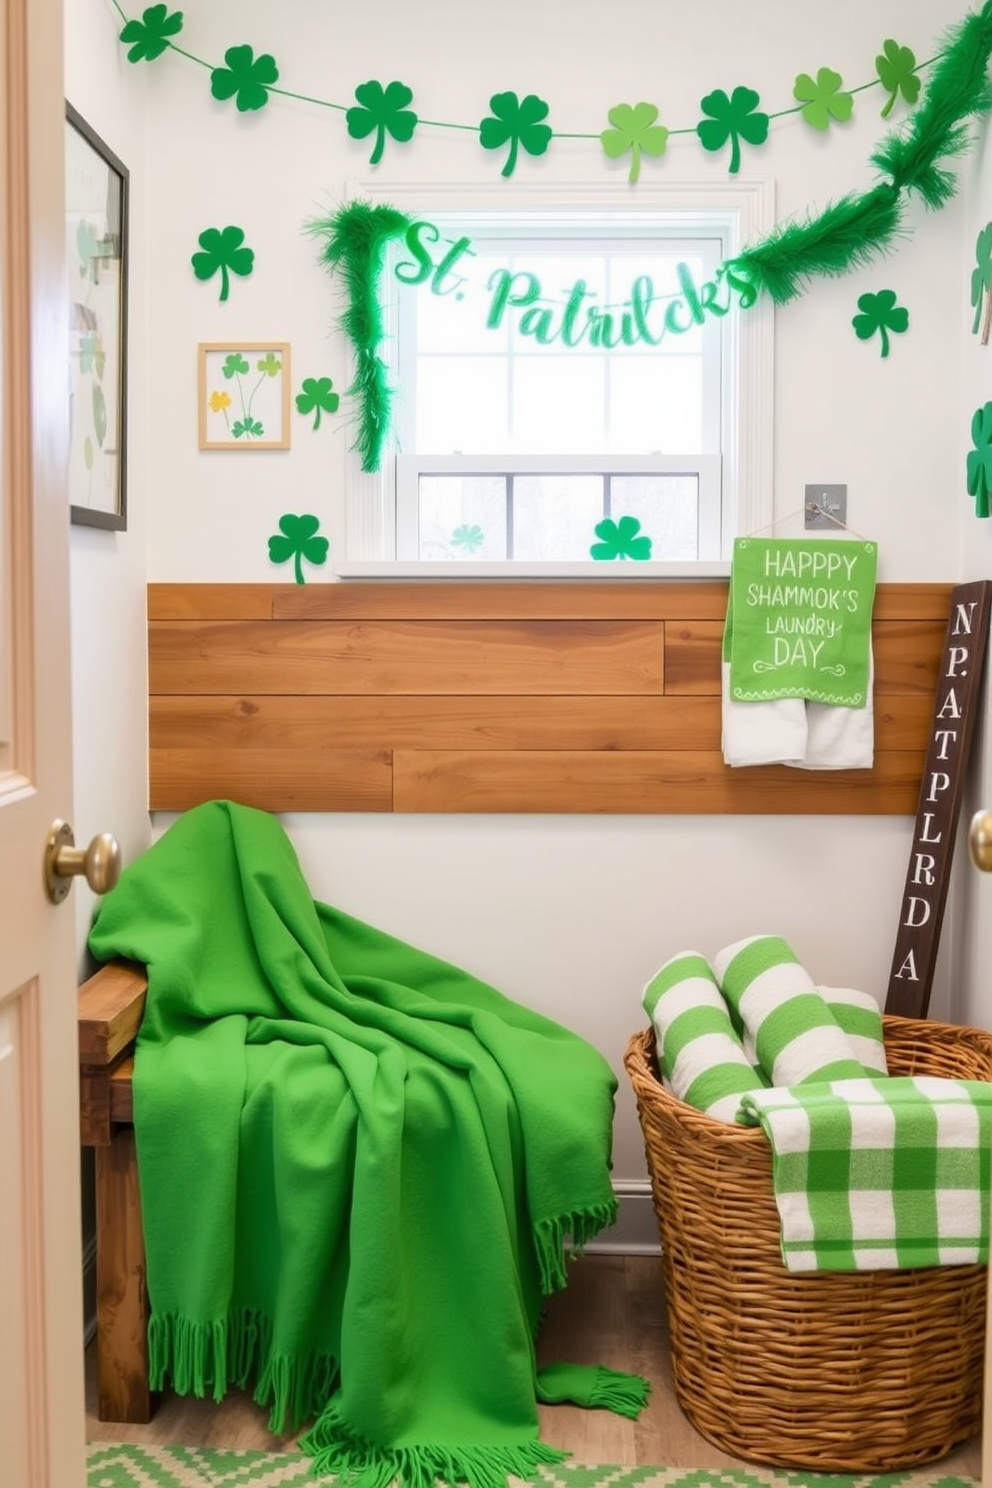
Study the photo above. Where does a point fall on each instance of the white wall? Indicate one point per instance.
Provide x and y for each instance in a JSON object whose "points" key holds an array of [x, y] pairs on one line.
{"points": [[973, 906], [108, 570], [570, 915]]}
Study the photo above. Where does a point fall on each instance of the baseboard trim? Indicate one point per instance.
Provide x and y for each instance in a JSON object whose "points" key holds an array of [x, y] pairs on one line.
{"points": [[636, 1228]]}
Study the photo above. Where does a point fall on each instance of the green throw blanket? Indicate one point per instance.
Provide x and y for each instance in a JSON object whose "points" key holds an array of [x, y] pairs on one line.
{"points": [[361, 1169]]}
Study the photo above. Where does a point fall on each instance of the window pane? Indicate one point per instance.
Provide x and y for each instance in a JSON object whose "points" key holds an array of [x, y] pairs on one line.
{"points": [[559, 405], [461, 404], [656, 405], [462, 517], [456, 321], [665, 506], [554, 516]]}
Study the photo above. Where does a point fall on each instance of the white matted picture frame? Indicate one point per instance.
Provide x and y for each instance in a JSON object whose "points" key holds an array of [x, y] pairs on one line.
{"points": [[243, 390], [96, 193]]}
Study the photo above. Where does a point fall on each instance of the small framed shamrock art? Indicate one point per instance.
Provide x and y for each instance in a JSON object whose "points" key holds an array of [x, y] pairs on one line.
{"points": [[96, 192], [243, 392]]}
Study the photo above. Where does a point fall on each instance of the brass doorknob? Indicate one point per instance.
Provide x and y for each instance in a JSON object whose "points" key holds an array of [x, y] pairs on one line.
{"points": [[980, 840], [100, 862]]}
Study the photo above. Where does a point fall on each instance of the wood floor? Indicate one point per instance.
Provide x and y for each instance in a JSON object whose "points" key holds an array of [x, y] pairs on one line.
{"points": [[612, 1313]]}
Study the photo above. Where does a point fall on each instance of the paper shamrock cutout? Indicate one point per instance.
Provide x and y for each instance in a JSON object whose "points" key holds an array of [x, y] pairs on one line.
{"points": [[297, 540], [222, 249], [516, 122], [981, 282], [824, 99], [620, 540], [468, 537], [734, 118], [316, 396], [879, 312], [150, 36], [384, 110], [895, 66], [980, 459], [634, 129], [246, 78]]}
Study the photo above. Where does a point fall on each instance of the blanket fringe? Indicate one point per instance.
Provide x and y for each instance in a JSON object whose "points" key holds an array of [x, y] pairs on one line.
{"points": [[624, 1394], [202, 1357], [560, 1239], [357, 1462]]}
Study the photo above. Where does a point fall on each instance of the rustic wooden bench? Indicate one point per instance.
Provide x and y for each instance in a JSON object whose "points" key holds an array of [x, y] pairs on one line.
{"points": [[110, 1007]]}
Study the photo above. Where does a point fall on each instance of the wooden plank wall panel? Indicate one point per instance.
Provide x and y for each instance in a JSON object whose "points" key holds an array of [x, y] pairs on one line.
{"points": [[495, 697]]}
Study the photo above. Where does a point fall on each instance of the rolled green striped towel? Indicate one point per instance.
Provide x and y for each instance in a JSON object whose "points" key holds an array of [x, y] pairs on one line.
{"points": [[857, 1013], [773, 999], [859, 1016], [701, 1058]]}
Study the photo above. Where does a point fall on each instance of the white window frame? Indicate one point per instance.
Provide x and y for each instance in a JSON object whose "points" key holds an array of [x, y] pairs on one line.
{"points": [[745, 212]]}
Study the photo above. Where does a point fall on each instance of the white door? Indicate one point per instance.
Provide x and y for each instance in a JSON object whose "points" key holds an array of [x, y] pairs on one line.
{"points": [[41, 1388]]}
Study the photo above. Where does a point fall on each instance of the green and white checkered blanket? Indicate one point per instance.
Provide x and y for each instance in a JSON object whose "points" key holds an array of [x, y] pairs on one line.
{"points": [[873, 1174]]}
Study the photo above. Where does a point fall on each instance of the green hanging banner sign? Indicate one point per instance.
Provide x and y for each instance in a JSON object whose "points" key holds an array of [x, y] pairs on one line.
{"points": [[799, 620]]}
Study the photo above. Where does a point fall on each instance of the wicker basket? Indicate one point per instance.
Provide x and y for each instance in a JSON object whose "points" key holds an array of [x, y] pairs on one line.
{"points": [[846, 1371]]}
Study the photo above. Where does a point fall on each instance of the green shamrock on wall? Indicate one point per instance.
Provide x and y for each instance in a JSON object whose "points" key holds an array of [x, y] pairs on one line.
{"points": [[316, 396], [620, 540], [384, 110], [634, 129], [222, 249], [469, 537], [879, 312], [824, 98], [981, 282], [297, 540], [150, 36], [734, 118], [246, 78], [516, 122], [980, 459], [895, 66]]}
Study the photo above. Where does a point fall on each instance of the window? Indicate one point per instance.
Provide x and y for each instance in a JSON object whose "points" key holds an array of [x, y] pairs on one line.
{"points": [[554, 375]]}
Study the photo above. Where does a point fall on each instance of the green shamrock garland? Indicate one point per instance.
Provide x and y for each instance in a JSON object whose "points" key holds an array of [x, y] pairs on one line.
{"points": [[634, 129], [223, 252], [149, 37], [896, 68], [246, 78], [879, 312], [383, 110], [516, 122], [824, 99], [980, 459], [519, 123], [297, 539], [734, 118], [620, 540]]}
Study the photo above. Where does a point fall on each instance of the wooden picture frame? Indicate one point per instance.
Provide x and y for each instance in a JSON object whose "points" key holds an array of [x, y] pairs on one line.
{"points": [[243, 392], [97, 189]]}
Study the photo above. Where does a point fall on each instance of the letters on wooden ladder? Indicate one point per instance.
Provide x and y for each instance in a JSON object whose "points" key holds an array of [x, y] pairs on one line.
{"points": [[928, 874]]}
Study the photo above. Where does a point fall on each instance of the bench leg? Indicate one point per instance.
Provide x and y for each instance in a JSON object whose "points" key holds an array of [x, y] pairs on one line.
{"points": [[121, 1294]]}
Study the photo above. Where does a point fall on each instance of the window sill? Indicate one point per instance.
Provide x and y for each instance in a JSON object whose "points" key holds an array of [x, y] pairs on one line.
{"points": [[462, 571]]}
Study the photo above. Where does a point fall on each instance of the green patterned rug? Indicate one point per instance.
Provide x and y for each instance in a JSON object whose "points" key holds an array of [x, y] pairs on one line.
{"points": [[114, 1466]]}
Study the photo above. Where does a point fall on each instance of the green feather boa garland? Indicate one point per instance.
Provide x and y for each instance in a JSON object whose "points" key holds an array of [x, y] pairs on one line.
{"points": [[854, 230], [356, 239], [846, 235]]}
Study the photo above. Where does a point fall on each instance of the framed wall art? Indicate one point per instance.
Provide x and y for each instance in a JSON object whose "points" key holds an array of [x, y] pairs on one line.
{"points": [[243, 392], [96, 195]]}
